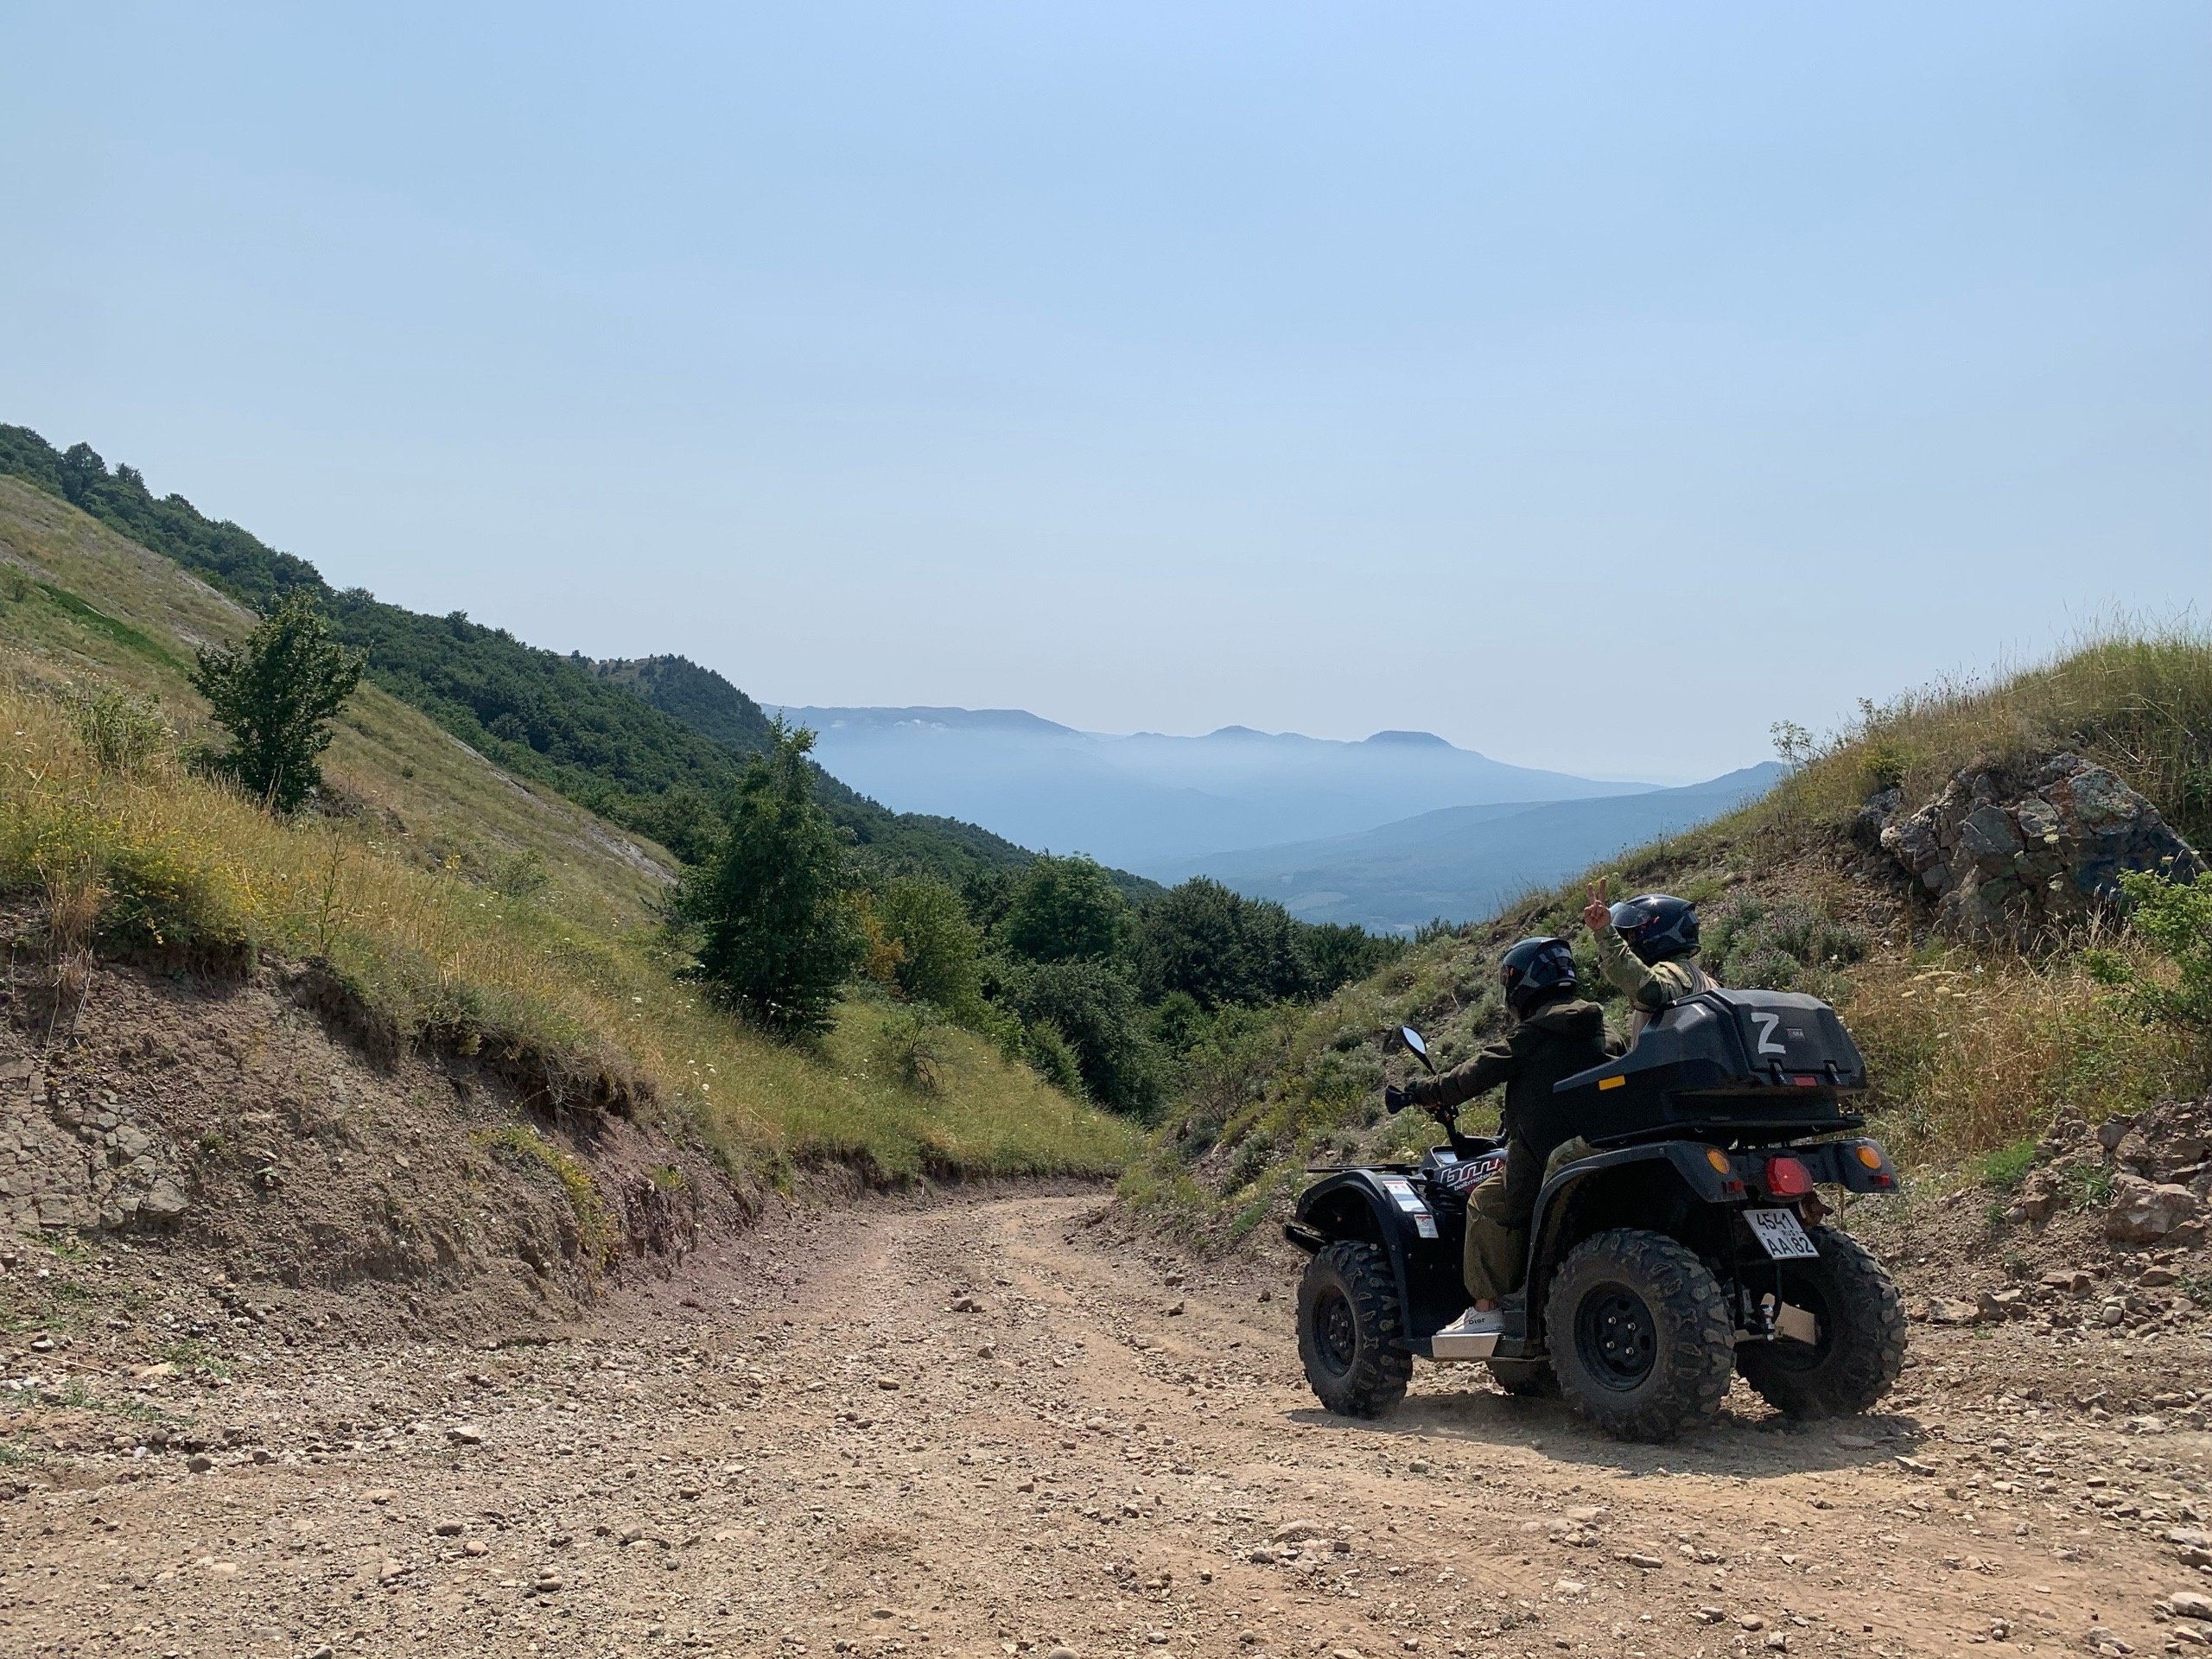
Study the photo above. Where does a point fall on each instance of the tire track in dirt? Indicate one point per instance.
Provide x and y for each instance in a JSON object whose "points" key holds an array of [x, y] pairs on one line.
{"points": [[980, 1428]]}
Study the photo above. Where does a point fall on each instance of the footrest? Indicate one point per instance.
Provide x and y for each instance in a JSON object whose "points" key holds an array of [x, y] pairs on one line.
{"points": [[1441, 1346]]}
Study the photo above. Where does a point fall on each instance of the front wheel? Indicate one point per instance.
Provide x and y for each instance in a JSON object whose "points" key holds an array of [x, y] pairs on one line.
{"points": [[1860, 1349], [1639, 1334], [1348, 1323]]}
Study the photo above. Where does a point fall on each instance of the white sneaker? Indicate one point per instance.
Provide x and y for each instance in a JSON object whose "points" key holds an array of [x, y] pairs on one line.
{"points": [[1476, 1323]]}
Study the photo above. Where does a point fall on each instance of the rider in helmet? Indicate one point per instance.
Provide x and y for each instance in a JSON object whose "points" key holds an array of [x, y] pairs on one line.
{"points": [[1647, 946], [1556, 1034]]}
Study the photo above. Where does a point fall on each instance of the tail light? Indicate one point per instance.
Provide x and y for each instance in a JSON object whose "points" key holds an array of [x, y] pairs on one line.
{"points": [[1788, 1178]]}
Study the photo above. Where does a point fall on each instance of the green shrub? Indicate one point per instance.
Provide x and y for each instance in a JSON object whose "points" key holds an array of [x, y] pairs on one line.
{"points": [[1250, 1162], [908, 1049], [521, 875], [1773, 948], [2175, 918], [939, 952], [1094, 1007], [1765, 970], [121, 731], [1885, 762], [2007, 1166], [1050, 1055]]}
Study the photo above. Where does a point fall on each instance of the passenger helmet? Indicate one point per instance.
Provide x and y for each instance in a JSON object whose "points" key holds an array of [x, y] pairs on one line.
{"points": [[1656, 926], [1535, 971]]}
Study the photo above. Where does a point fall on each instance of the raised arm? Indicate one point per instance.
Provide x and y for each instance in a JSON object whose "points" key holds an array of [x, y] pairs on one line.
{"points": [[1645, 986]]}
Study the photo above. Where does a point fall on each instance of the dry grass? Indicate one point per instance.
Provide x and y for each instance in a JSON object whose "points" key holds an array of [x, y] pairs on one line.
{"points": [[164, 861], [2134, 697], [463, 905], [109, 625], [1969, 1051]]}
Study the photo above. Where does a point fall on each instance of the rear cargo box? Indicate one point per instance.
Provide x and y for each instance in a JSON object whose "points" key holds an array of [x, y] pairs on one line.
{"points": [[1733, 1062]]}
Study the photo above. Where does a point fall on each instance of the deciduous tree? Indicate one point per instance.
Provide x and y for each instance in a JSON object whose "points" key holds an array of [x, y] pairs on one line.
{"points": [[276, 692]]}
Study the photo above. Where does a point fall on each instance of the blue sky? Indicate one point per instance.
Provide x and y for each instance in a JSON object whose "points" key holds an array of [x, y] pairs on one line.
{"points": [[1491, 370]]}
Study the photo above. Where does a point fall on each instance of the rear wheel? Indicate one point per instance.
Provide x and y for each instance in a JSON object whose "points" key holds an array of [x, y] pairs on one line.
{"points": [[1639, 1335], [1859, 1351], [1349, 1323]]}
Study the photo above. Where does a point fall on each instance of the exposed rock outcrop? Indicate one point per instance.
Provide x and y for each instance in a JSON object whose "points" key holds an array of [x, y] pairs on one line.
{"points": [[2144, 1212], [2154, 1167], [2018, 855]]}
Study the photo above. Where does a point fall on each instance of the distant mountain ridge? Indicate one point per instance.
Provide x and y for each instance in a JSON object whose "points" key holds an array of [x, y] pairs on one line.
{"points": [[1150, 797], [1462, 862]]}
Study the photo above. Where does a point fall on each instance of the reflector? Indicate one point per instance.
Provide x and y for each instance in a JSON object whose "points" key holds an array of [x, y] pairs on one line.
{"points": [[1788, 1178]]}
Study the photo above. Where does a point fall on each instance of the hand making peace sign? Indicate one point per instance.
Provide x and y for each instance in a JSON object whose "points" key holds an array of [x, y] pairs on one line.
{"points": [[1598, 915]]}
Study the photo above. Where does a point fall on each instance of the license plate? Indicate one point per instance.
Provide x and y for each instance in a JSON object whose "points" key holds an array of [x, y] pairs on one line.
{"points": [[1778, 1232]]}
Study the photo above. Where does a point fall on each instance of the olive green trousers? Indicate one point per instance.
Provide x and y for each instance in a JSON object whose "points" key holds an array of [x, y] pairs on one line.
{"points": [[1496, 1252]]}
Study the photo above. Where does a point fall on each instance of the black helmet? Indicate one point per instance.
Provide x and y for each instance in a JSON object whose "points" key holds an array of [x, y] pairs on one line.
{"points": [[1535, 971], [1657, 926]]}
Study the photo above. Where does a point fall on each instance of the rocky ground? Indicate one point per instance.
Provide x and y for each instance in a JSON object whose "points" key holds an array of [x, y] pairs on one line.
{"points": [[996, 1425]]}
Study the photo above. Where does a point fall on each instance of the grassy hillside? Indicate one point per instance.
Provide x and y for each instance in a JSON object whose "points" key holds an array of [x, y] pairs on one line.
{"points": [[606, 741], [1971, 1050], [465, 904]]}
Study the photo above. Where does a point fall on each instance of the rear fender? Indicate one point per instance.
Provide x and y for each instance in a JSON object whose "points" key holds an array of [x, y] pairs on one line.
{"points": [[1632, 1186]]}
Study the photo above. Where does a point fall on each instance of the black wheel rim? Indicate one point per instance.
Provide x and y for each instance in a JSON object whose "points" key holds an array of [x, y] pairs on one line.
{"points": [[1335, 1332], [1616, 1337], [1802, 1290]]}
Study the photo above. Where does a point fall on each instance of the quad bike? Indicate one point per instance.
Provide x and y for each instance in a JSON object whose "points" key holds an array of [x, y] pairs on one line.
{"points": [[1688, 1247]]}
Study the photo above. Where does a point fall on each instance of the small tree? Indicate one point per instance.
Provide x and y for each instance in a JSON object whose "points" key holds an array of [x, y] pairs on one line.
{"points": [[1094, 1007], [778, 939], [276, 693], [939, 952], [1065, 910]]}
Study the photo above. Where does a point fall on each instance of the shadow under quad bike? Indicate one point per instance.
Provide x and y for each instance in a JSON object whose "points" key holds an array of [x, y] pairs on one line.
{"points": [[1688, 1247]]}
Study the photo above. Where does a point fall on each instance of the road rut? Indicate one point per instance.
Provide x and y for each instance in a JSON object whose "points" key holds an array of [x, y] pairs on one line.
{"points": [[983, 1428]]}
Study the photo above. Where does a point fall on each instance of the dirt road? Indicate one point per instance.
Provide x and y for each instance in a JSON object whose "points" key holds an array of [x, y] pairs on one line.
{"points": [[983, 1428]]}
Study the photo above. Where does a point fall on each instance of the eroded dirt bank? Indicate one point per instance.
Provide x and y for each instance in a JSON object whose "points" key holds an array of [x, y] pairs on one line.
{"points": [[985, 1427]]}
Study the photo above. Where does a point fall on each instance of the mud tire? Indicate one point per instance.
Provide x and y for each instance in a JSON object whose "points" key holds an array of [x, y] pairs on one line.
{"points": [[1348, 1323], [1639, 1335], [1861, 1346]]}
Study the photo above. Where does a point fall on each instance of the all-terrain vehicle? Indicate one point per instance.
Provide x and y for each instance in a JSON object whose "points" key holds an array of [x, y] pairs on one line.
{"points": [[1690, 1246]]}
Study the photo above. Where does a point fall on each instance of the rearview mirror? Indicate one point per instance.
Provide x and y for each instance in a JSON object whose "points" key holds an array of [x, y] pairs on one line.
{"points": [[1411, 1038]]}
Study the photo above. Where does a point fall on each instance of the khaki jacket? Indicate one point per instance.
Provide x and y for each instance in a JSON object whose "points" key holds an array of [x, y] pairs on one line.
{"points": [[1649, 986]]}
